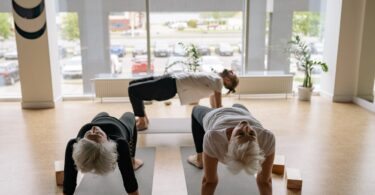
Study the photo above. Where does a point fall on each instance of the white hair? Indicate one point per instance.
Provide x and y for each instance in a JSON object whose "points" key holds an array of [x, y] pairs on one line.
{"points": [[99, 158], [245, 156]]}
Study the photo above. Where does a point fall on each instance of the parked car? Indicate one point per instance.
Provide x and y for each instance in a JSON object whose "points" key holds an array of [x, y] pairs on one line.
{"points": [[9, 73], [203, 49], [1, 53], [236, 65], [63, 53], [211, 63], [225, 49], [11, 55], [316, 47], [240, 48], [135, 32], [118, 50], [178, 25], [139, 65], [72, 67], [179, 50], [116, 66], [161, 50], [140, 50], [178, 67]]}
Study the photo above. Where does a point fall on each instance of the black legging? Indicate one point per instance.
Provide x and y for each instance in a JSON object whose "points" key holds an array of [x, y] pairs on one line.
{"points": [[197, 124], [127, 126], [150, 88]]}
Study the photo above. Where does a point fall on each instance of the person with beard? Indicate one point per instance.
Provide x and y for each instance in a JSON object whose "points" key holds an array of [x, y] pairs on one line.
{"points": [[190, 87]]}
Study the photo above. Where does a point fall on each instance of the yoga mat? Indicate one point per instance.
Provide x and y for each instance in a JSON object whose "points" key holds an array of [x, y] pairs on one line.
{"points": [[229, 184], [112, 184], [168, 125]]}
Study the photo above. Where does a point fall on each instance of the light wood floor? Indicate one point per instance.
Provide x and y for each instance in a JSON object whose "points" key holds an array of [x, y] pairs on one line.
{"points": [[332, 144]]}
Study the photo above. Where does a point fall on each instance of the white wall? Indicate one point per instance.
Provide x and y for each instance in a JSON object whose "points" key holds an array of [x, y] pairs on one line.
{"points": [[342, 48], [367, 58]]}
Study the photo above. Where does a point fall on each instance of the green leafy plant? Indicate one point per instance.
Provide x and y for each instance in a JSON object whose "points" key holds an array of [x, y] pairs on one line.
{"points": [[70, 30], [302, 53], [192, 61], [5, 25]]}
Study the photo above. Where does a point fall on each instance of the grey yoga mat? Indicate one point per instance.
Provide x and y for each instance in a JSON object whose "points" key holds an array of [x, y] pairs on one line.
{"points": [[112, 184], [229, 184], [168, 125]]}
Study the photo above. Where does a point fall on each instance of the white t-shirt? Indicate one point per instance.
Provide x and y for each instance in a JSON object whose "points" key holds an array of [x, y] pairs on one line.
{"points": [[215, 123], [192, 87]]}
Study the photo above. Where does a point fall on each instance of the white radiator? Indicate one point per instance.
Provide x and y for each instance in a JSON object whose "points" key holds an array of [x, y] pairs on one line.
{"points": [[111, 87], [282, 84], [265, 84]]}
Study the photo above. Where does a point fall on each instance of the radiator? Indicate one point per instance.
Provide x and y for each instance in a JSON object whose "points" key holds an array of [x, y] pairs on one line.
{"points": [[281, 84], [111, 87]]}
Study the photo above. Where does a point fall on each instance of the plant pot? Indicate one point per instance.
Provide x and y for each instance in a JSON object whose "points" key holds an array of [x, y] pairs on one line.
{"points": [[304, 93]]}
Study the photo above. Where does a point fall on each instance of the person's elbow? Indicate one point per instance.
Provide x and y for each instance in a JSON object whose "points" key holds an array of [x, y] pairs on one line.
{"points": [[209, 186], [265, 185], [264, 181]]}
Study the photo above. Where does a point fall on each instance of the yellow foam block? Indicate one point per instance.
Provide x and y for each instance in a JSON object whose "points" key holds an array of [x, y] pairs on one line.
{"points": [[59, 172], [279, 165], [294, 179]]}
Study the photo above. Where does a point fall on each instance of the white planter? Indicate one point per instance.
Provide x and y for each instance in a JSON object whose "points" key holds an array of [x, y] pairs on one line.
{"points": [[304, 93]]}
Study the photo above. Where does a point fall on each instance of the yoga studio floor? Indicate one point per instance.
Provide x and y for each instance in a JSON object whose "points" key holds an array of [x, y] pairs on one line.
{"points": [[332, 144]]}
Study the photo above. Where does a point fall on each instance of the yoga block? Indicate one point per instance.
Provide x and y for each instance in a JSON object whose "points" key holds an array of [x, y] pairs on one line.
{"points": [[294, 179], [278, 165], [59, 172]]}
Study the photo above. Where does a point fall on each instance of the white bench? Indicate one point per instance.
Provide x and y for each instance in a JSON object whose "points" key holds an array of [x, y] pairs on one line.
{"points": [[253, 84]]}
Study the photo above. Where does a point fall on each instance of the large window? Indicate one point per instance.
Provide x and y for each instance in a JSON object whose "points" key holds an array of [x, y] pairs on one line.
{"points": [[70, 59], [112, 38], [308, 25], [128, 47], [216, 35], [9, 71]]}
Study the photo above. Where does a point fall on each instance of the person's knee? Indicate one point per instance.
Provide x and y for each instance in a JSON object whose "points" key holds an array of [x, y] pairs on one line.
{"points": [[131, 90], [240, 106], [103, 114], [129, 115], [237, 105], [195, 111]]}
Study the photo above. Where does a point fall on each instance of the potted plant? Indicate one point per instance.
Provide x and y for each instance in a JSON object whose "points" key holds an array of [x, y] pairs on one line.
{"points": [[192, 61], [302, 53]]}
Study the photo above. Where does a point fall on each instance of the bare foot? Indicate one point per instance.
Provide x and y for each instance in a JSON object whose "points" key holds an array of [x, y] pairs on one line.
{"points": [[142, 123], [193, 159], [137, 163]]}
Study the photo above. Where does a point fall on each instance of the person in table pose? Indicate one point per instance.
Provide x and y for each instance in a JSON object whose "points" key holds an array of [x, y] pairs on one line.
{"points": [[190, 88], [99, 146], [233, 137]]}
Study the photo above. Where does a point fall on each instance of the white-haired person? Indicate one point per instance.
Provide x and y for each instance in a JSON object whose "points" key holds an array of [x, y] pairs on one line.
{"points": [[99, 146], [190, 87], [232, 136]]}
